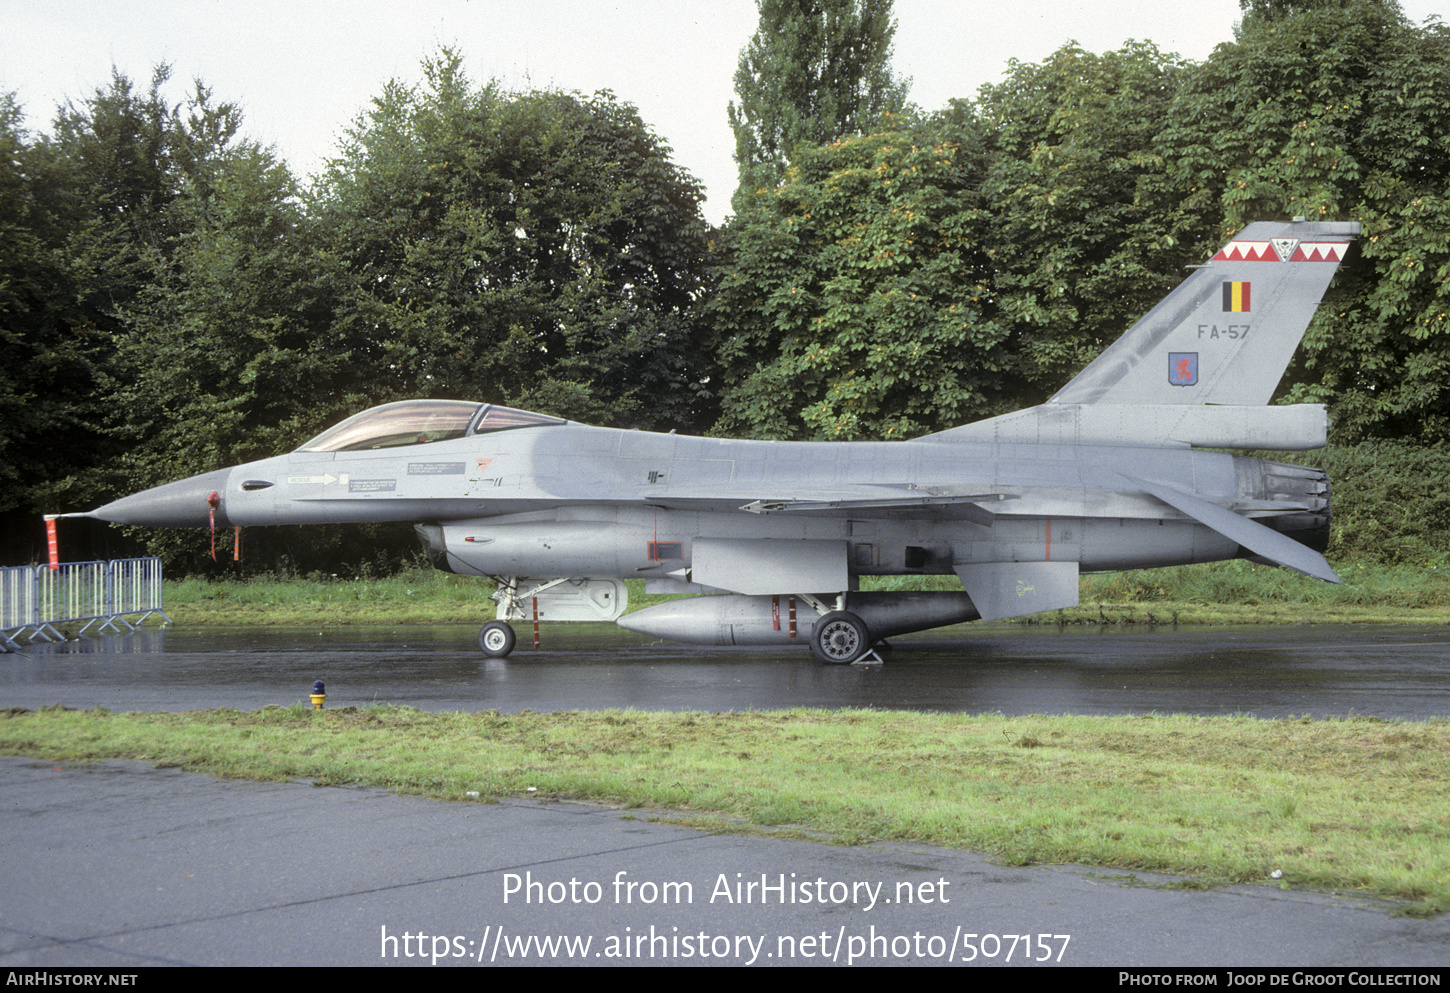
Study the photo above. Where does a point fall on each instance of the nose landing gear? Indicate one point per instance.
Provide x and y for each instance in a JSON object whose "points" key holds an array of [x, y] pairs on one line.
{"points": [[496, 639]]}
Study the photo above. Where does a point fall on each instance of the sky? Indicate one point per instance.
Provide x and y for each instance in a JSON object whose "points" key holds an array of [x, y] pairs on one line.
{"points": [[302, 70]]}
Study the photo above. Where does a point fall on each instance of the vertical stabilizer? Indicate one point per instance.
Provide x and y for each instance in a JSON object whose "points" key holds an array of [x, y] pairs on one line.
{"points": [[1227, 333]]}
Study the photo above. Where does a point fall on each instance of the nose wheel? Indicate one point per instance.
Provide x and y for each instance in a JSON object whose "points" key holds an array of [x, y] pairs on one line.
{"points": [[496, 639], [839, 638]]}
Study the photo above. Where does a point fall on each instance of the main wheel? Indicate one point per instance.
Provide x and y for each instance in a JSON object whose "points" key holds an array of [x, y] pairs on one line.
{"points": [[496, 639], [839, 637]]}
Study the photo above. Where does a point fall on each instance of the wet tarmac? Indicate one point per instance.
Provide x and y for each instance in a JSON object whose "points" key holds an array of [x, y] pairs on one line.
{"points": [[1335, 671]]}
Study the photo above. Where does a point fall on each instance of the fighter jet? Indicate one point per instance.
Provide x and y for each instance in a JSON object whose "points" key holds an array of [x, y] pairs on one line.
{"points": [[1108, 474]]}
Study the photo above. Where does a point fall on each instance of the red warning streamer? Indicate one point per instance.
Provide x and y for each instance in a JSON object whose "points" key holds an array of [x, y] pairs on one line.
{"points": [[212, 501], [51, 541]]}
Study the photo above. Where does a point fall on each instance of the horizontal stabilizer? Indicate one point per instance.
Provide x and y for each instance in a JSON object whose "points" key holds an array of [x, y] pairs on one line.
{"points": [[1277, 548]]}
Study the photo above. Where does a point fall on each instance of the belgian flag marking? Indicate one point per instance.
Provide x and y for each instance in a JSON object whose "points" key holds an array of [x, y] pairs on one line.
{"points": [[1236, 298]]}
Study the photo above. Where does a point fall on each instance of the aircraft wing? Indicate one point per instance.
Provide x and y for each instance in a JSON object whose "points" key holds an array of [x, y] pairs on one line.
{"points": [[1277, 548]]}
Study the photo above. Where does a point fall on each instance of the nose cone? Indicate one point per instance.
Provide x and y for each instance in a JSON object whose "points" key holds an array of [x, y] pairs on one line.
{"points": [[182, 504]]}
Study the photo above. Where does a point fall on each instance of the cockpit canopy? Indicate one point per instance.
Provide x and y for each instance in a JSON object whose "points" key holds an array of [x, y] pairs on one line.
{"points": [[418, 422]]}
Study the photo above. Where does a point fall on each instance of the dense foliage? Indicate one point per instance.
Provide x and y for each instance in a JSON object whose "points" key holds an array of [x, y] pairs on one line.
{"points": [[1341, 111], [1390, 501], [536, 249], [856, 303], [1075, 191]]}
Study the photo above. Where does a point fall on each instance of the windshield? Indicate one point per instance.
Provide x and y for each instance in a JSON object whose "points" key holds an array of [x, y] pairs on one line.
{"points": [[418, 422]]}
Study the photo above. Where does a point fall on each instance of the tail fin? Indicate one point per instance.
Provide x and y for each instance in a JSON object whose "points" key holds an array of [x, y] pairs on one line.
{"points": [[1199, 368], [1227, 333]]}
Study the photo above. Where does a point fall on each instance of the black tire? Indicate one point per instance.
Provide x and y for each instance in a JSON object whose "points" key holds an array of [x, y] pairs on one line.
{"points": [[496, 639], [839, 638]]}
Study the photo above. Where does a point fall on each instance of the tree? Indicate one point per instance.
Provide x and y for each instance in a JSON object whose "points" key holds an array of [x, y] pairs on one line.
{"points": [[225, 351], [119, 177], [857, 302], [815, 71], [1341, 111], [49, 351], [1273, 10], [99, 220], [1087, 234], [536, 249], [85, 230], [954, 267]]}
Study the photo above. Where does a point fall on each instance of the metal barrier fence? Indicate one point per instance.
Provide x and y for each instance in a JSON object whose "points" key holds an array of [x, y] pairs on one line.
{"points": [[33, 599]]}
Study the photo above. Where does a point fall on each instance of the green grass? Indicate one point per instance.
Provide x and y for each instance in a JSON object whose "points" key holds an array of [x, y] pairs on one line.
{"points": [[1353, 805], [1219, 593]]}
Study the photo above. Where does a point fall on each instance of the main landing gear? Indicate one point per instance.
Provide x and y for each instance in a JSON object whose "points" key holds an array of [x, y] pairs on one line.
{"points": [[840, 638]]}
